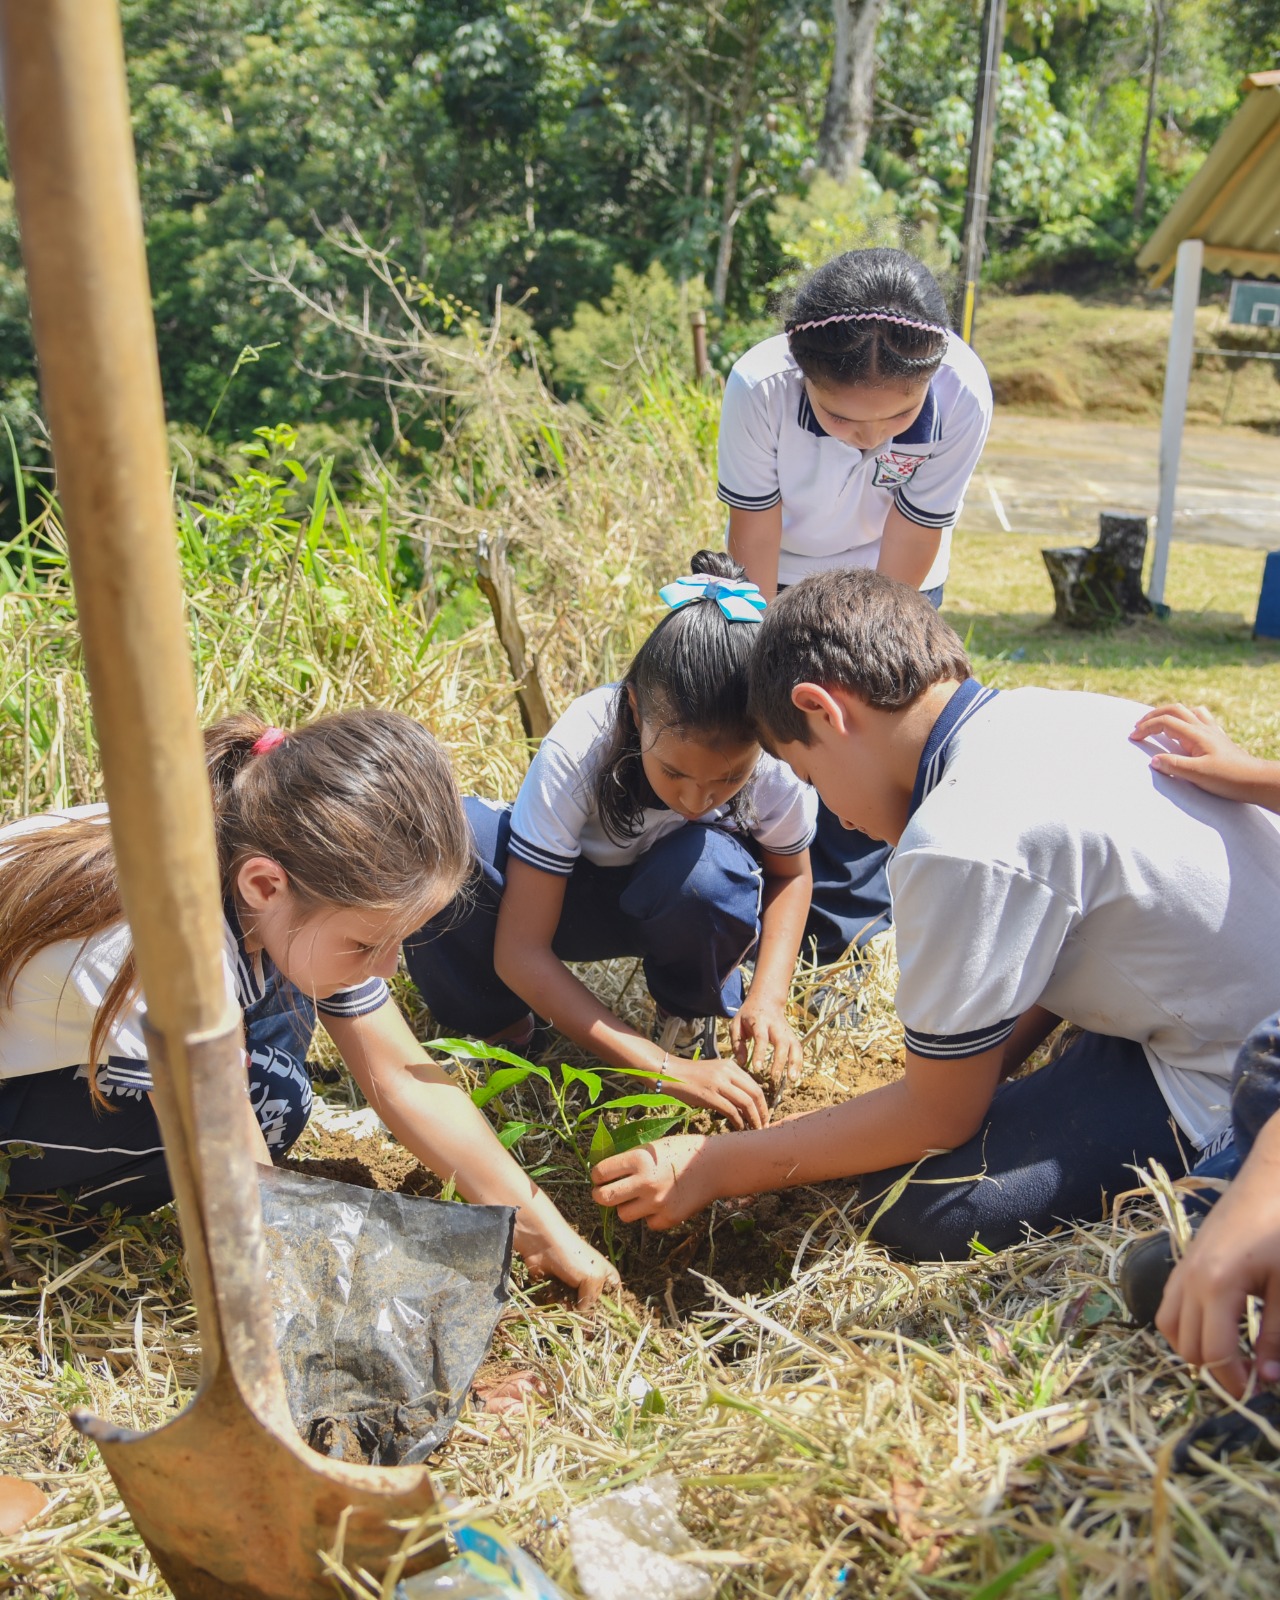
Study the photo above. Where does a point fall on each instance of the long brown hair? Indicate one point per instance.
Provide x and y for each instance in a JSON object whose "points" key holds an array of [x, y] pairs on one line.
{"points": [[360, 809]]}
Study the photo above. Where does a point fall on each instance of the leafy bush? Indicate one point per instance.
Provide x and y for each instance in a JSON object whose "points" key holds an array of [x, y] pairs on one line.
{"points": [[640, 328]]}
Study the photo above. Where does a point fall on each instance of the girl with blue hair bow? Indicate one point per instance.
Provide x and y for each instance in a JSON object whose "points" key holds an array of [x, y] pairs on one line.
{"points": [[650, 824]]}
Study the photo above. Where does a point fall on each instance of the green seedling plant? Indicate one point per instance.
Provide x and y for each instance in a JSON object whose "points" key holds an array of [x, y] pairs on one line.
{"points": [[613, 1129]]}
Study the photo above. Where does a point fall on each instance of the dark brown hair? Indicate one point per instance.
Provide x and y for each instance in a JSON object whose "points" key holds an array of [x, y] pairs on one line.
{"points": [[854, 630], [360, 809], [689, 676]]}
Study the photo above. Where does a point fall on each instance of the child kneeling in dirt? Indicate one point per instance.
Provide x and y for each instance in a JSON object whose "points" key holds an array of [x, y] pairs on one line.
{"points": [[333, 842], [650, 824], [1041, 871]]}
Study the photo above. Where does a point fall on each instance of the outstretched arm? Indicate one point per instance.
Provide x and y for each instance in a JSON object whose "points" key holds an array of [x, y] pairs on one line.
{"points": [[1235, 1254], [761, 1025], [1205, 756], [526, 962], [435, 1119], [935, 1105]]}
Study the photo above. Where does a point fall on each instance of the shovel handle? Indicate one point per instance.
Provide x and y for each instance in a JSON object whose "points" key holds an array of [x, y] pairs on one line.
{"points": [[71, 153]]}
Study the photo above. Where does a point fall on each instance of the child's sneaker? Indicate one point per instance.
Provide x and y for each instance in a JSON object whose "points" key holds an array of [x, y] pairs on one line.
{"points": [[689, 1038], [1145, 1268]]}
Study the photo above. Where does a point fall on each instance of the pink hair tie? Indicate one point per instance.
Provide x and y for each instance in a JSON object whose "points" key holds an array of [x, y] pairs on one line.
{"points": [[868, 316], [268, 741]]}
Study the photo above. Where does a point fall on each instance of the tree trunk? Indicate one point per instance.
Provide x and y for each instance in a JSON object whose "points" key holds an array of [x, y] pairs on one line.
{"points": [[846, 119], [1158, 19], [730, 209]]}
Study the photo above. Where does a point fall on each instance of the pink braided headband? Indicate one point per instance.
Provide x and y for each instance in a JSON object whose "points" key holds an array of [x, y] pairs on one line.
{"points": [[868, 316]]}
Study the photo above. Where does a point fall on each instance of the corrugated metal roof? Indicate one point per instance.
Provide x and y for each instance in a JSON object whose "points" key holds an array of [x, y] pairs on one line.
{"points": [[1233, 202]]}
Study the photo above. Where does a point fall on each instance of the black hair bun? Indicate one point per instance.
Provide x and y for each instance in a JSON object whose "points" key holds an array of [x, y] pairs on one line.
{"points": [[717, 564]]}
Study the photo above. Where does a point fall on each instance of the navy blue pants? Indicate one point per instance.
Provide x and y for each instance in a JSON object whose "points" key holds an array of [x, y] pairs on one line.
{"points": [[689, 906], [1057, 1147], [116, 1157], [850, 880]]}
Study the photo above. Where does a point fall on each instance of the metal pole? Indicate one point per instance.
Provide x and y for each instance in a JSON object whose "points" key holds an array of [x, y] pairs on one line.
{"points": [[1173, 412], [981, 157]]}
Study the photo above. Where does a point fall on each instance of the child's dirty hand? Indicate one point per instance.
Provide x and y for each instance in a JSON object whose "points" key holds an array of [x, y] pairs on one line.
{"points": [[558, 1252], [1205, 756], [1235, 1255], [719, 1086], [761, 1028], [660, 1183]]}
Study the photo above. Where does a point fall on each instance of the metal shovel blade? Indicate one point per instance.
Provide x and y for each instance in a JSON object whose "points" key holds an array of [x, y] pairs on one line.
{"points": [[228, 1498]]}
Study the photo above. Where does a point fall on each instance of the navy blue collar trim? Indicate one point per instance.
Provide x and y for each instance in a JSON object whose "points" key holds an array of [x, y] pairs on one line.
{"points": [[251, 974], [806, 417], [926, 429], [971, 696]]}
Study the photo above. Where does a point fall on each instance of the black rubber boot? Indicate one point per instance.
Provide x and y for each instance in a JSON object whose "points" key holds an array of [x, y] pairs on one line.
{"points": [[1144, 1271]]}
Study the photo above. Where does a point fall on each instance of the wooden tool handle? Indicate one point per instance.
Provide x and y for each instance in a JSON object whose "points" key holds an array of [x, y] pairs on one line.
{"points": [[71, 153]]}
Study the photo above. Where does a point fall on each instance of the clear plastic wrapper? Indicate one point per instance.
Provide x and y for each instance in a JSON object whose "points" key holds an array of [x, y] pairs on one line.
{"points": [[628, 1544], [487, 1568], [384, 1308]]}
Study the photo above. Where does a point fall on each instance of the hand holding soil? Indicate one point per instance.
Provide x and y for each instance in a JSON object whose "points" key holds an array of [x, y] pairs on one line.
{"points": [[761, 1028], [721, 1086], [551, 1251], [662, 1184]]}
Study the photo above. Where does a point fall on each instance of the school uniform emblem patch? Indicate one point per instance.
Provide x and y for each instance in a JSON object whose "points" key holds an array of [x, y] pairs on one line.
{"points": [[894, 467]]}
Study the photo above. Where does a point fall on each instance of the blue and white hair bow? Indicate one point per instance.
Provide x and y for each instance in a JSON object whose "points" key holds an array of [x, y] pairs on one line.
{"points": [[740, 601]]}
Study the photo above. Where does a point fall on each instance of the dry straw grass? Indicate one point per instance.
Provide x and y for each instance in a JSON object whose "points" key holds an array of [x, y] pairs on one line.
{"points": [[840, 1423]]}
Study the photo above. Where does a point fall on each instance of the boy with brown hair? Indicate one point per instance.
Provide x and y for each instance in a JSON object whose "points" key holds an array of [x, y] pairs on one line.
{"points": [[1042, 871]]}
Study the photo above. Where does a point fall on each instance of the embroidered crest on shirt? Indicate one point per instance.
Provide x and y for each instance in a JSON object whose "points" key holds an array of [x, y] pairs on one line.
{"points": [[894, 467]]}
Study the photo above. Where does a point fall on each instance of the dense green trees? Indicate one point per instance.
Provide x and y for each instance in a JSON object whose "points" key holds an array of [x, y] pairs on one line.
{"points": [[536, 148]]}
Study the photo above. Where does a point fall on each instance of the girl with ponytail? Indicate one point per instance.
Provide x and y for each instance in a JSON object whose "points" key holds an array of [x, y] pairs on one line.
{"points": [[650, 824], [334, 841]]}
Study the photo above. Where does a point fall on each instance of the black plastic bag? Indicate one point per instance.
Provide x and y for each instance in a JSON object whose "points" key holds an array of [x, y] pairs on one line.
{"points": [[384, 1308]]}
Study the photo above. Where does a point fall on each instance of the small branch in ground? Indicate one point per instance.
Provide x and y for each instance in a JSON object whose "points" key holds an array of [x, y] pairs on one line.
{"points": [[497, 584]]}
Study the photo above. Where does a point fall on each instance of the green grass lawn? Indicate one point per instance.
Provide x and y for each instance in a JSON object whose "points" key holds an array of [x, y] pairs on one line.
{"points": [[1000, 602]]}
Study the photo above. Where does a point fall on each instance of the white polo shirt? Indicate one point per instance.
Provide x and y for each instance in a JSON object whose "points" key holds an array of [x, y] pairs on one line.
{"points": [[835, 498], [555, 818], [1045, 863], [49, 1022]]}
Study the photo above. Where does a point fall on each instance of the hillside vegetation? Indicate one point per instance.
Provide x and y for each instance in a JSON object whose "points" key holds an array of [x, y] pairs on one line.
{"points": [[1054, 355]]}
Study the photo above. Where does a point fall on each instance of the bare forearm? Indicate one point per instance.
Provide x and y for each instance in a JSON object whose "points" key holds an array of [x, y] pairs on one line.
{"points": [[755, 541], [1259, 783], [438, 1123], [782, 918], [882, 1128], [907, 551]]}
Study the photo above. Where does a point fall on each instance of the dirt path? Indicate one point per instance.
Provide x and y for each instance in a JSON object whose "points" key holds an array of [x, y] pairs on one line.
{"points": [[1046, 476]]}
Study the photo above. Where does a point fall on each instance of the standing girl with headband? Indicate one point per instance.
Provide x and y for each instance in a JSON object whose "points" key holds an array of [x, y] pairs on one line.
{"points": [[848, 440], [333, 843], [650, 824]]}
